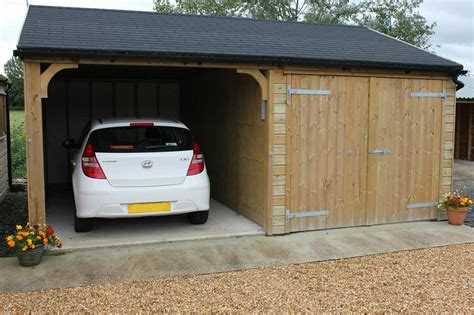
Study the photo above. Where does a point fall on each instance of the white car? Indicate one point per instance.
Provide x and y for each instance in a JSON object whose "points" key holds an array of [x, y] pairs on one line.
{"points": [[138, 167]]}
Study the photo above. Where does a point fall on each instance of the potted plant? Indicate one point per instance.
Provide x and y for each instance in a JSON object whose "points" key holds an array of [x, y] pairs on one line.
{"points": [[31, 242], [457, 205]]}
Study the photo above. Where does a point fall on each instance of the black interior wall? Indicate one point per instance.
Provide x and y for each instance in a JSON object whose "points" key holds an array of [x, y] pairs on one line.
{"points": [[78, 96]]}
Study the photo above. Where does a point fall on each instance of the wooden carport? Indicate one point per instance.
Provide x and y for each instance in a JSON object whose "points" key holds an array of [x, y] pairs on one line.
{"points": [[349, 141]]}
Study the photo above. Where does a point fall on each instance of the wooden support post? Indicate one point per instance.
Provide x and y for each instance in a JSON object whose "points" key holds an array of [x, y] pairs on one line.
{"points": [[260, 78], [34, 143], [36, 88]]}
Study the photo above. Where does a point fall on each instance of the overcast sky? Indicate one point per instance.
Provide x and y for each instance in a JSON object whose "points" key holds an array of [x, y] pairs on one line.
{"points": [[454, 18]]}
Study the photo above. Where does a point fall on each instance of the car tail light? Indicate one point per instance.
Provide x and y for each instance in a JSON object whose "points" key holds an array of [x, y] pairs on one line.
{"points": [[197, 163], [90, 165]]}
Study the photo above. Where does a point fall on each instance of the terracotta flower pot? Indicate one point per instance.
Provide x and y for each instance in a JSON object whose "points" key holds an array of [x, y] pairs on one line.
{"points": [[456, 216], [30, 257]]}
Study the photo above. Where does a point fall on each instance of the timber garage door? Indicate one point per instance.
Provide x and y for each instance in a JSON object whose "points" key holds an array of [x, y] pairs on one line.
{"points": [[361, 150]]}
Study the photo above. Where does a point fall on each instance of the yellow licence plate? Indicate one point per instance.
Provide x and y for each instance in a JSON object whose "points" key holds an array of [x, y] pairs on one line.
{"points": [[149, 207]]}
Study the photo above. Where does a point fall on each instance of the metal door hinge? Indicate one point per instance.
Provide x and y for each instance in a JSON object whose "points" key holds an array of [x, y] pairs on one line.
{"points": [[308, 92], [428, 94], [381, 151], [304, 214], [422, 205]]}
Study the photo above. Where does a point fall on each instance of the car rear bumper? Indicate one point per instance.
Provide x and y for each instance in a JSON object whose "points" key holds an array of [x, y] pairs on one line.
{"points": [[98, 199]]}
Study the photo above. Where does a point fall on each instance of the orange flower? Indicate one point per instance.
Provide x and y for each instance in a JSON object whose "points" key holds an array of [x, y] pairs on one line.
{"points": [[45, 241], [19, 237], [11, 243]]}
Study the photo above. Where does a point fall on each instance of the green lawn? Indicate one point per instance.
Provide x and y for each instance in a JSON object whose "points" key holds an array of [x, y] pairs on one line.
{"points": [[17, 118], [17, 129]]}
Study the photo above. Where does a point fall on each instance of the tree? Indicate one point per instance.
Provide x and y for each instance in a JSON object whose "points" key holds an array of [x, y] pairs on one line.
{"points": [[283, 10], [14, 71], [332, 11], [202, 7], [397, 18]]}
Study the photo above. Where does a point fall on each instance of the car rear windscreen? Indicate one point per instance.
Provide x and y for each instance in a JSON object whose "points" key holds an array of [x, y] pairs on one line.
{"points": [[141, 139]]}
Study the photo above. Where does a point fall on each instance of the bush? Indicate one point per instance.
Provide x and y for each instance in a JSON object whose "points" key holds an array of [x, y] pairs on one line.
{"points": [[18, 153]]}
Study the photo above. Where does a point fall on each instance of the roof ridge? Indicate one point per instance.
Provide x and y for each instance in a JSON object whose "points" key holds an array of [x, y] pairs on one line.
{"points": [[200, 15]]}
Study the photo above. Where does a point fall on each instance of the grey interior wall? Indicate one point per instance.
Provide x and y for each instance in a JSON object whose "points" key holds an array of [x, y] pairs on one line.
{"points": [[72, 103]]}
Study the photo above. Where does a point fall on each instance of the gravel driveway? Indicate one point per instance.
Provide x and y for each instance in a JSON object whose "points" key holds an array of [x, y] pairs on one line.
{"points": [[438, 279]]}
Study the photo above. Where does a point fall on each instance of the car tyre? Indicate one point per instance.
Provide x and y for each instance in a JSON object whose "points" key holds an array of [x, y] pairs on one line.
{"points": [[82, 225], [199, 217]]}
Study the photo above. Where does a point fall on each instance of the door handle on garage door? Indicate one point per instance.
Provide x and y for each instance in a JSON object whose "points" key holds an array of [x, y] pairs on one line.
{"points": [[381, 151]]}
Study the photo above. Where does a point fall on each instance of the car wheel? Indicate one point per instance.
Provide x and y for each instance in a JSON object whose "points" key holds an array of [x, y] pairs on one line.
{"points": [[82, 225], [199, 217]]}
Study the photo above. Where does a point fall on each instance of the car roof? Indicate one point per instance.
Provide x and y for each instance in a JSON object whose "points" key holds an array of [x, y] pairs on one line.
{"points": [[100, 123]]}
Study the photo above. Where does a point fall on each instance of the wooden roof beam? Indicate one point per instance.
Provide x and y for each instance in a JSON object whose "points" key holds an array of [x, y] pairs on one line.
{"points": [[50, 72], [260, 78]]}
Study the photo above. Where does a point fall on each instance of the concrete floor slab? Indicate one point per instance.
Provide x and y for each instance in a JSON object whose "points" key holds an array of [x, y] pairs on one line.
{"points": [[223, 222], [148, 261]]}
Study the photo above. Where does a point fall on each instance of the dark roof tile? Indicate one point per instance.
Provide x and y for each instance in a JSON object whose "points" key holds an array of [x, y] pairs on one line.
{"points": [[80, 31]]}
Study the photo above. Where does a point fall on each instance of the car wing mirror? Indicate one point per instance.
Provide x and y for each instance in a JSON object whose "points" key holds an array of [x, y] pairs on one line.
{"points": [[69, 143]]}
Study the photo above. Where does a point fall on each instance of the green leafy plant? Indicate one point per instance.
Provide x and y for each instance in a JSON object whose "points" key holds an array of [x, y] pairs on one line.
{"points": [[18, 151], [14, 71]]}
